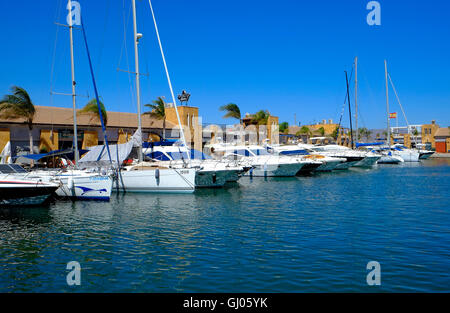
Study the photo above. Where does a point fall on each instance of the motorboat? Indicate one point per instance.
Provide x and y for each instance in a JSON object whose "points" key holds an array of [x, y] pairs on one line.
{"points": [[17, 189], [320, 163], [210, 173], [387, 157], [263, 164], [352, 157], [423, 152], [408, 155]]}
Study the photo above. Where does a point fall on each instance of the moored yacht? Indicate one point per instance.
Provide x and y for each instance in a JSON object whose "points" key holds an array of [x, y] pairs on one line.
{"points": [[318, 162], [16, 188], [351, 157], [210, 172], [408, 155], [262, 162]]}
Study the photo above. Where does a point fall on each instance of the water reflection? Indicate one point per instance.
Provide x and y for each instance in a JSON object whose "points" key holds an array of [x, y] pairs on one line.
{"points": [[310, 233]]}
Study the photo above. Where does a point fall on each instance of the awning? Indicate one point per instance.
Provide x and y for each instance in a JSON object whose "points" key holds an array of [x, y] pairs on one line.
{"points": [[67, 153]]}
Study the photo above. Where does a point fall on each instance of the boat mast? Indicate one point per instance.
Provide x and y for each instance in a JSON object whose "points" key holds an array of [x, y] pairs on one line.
{"points": [[138, 85], [349, 110], [75, 134], [387, 105], [356, 98]]}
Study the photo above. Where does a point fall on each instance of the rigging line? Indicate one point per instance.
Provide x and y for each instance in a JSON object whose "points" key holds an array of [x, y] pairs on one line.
{"points": [[345, 101], [96, 93], [168, 78], [401, 107], [398, 100], [57, 16]]}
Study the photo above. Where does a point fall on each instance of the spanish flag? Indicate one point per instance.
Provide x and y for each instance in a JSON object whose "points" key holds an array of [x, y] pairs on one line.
{"points": [[393, 115]]}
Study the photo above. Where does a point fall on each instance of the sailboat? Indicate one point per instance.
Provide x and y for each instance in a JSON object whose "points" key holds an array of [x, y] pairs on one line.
{"points": [[370, 157], [408, 155], [75, 182], [143, 176]]}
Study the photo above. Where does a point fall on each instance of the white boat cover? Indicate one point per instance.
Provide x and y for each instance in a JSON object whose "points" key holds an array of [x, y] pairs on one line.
{"points": [[99, 154]]}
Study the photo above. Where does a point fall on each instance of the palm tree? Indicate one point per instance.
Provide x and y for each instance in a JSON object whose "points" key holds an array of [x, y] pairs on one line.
{"points": [[260, 118], [91, 108], [335, 133], [284, 127], [232, 110], [304, 131], [321, 131], [19, 105], [158, 111]]}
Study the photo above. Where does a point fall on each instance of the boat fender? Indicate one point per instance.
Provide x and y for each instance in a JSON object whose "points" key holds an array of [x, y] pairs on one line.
{"points": [[157, 176], [214, 178]]}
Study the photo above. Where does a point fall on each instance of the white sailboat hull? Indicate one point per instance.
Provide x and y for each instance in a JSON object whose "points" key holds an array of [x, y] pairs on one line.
{"points": [[168, 180], [80, 185]]}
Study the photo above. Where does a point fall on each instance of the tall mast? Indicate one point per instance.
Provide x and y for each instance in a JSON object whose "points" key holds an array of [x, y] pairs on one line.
{"points": [[75, 134], [387, 104], [356, 98], [138, 83], [349, 110]]}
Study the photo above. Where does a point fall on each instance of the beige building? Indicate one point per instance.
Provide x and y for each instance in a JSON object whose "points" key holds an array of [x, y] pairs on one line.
{"points": [[428, 132], [53, 129]]}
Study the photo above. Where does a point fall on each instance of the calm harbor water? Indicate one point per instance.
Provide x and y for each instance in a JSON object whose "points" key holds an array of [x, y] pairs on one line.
{"points": [[303, 234]]}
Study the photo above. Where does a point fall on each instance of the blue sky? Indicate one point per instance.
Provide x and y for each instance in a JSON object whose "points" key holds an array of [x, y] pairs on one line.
{"points": [[286, 56]]}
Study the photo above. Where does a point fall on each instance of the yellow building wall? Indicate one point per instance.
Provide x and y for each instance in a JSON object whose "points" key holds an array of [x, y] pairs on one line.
{"points": [[407, 140], [5, 136], [153, 138], [433, 127], [329, 128], [188, 116], [49, 140], [273, 130], [123, 136], [90, 138]]}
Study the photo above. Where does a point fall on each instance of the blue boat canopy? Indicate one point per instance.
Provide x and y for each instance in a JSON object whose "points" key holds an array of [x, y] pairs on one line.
{"points": [[369, 144], [166, 142], [68, 153]]}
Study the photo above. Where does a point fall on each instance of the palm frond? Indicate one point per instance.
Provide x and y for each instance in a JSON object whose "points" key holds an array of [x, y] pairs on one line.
{"points": [[17, 105], [157, 109], [91, 108], [232, 111]]}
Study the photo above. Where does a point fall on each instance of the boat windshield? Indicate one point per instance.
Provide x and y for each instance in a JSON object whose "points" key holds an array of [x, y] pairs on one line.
{"points": [[178, 155], [243, 152], [294, 152], [259, 152]]}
